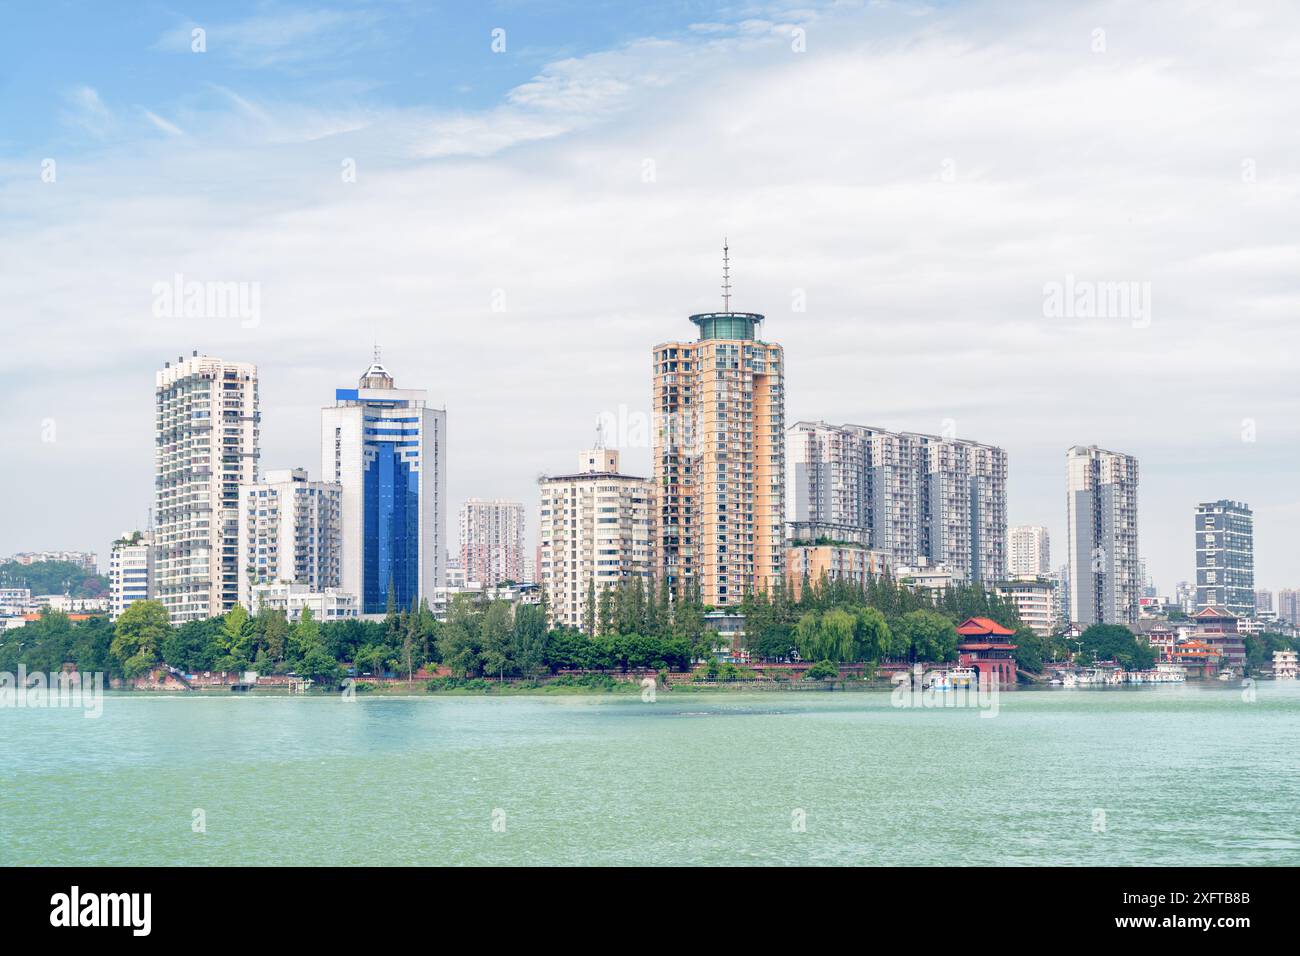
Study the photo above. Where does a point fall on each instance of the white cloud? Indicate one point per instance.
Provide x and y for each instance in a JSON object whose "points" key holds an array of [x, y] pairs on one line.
{"points": [[287, 38], [920, 174], [170, 128], [87, 111]]}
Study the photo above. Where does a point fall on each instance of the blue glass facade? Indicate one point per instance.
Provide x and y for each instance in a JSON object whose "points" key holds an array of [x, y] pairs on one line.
{"points": [[391, 518]]}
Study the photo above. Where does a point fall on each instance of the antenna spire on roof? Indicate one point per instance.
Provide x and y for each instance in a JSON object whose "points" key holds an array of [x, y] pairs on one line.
{"points": [[726, 276]]}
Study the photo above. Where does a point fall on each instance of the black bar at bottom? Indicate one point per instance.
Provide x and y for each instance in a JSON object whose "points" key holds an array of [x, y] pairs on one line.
{"points": [[235, 905]]}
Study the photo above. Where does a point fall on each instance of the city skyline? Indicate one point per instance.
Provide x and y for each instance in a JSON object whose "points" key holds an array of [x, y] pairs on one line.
{"points": [[1165, 585], [887, 300]]}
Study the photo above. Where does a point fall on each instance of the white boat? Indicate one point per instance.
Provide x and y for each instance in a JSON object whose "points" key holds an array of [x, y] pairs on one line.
{"points": [[940, 681], [954, 678], [1168, 673], [1098, 677], [963, 676]]}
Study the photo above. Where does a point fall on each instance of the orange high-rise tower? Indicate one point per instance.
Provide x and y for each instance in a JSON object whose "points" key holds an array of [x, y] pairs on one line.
{"points": [[719, 456]]}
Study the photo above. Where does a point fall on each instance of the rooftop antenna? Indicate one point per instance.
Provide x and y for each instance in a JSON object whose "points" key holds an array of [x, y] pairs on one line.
{"points": [[600, 433], [726, 277]]}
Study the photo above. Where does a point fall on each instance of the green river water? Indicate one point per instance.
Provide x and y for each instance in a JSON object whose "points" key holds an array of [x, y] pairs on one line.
{"points": [[1190, 774]]}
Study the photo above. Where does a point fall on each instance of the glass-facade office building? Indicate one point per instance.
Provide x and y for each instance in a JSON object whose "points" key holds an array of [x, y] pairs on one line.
{"points": [[385, 447]]}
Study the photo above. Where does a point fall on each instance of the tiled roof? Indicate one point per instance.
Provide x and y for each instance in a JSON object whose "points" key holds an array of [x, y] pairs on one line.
{"points": [[979, 626]]}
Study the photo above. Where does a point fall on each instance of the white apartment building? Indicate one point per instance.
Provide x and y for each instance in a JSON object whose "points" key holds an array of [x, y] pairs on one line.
{"points": [[1101, 506], [492, 541], [70, 605], [919, 497], [290, 531], [130, 571], [926, 577], [594, 531], [514, 595], [1034, 599], [329, 604], [1029, 550], [387, 448], [15, 602], [206, 428]]}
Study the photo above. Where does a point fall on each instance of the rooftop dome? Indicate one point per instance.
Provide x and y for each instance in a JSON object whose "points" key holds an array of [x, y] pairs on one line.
{"points": [[376, 376]]}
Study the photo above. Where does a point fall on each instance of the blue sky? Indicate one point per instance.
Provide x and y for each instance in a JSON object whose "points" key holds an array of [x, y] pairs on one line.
{"points": [[389, 54], [522, 227]]}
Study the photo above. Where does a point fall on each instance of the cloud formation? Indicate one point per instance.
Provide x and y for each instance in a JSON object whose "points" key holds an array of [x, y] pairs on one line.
{"points": [[917, 176]]}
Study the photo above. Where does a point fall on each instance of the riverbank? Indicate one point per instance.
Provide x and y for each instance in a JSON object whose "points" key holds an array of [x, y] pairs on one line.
{"points": [[627, 688]]}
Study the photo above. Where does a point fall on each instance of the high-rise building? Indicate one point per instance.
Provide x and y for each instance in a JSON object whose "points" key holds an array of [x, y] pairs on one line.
{"points": [[593, 532], [1225, 557], [1029, 550], [1102, 524], [1263, 602], [923, 499], [719, 456], [492, 541], [1288, 605], [387, 448], [206, 428], [1146, 584], [130, 570], [1063, 609], [290, 532]]}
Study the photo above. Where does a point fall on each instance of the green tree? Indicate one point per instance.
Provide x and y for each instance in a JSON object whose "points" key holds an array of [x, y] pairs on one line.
{"points": [[873, 638], [195, 645], [823, 670], [1260, 648], [930, 635], [305, 636], [495, 635], [139, 635], [1106, 642], [320, 666], [274, 629], [605, 612], [53, 577], [1029, 650], [459, 644], [528, 640]]}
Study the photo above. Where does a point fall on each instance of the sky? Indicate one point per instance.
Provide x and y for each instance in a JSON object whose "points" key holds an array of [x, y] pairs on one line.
{"points": [[933, 204]]}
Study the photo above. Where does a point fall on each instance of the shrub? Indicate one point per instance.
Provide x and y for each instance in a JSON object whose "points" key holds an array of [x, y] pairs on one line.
{"points": [[822, 670]]}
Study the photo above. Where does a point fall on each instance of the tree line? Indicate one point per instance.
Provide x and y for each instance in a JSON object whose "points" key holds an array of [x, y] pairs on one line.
{"points": [[631, 626], [53, 577]]}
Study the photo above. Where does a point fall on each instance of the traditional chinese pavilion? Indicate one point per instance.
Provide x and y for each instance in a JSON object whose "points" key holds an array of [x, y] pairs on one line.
{"points": [[1218, 628], [986, 646]]}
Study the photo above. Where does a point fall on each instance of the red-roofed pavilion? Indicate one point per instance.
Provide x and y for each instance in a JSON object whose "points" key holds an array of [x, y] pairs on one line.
{"points": [[986, 646]]}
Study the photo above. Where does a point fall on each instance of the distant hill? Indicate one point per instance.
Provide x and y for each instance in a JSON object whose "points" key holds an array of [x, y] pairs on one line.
{"points": [[53, 577]]}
